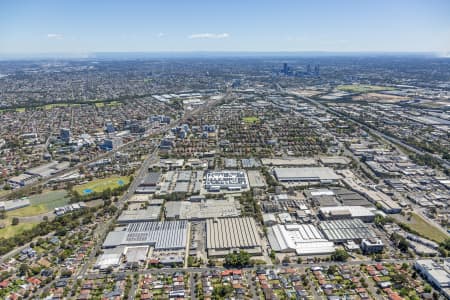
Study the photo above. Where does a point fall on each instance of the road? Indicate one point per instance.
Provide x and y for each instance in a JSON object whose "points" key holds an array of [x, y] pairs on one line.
{"points": [[14, 252], [208, 269]]}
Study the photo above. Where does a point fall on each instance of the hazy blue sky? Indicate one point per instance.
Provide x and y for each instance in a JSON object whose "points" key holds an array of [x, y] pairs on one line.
{"points": [[229, 25]]}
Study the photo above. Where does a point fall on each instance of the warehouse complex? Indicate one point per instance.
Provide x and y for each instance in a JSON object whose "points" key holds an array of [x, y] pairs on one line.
{"points": [[306, 174], [340, 231], [303, 239], [167, 235], [205, 209], [151, 213], [226, 180], [232, 234], [346, 212]]}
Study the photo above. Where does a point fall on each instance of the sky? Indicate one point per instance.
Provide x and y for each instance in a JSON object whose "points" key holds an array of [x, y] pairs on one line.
{"points": [[85, 26]]}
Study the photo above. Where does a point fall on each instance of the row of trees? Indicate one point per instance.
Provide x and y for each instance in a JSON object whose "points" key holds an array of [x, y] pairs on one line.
{"points": [[60, 225]]}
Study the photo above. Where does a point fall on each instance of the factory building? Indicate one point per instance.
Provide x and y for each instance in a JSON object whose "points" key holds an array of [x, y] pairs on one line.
{"points": [[224, 236], [205, 209], [303, 239], [151, 213], [346, 212], [226, 180], [340, 231], [307, 174], [437, 274], [166, 235]]}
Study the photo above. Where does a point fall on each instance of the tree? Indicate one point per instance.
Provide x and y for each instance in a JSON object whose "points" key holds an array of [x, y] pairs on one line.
{"points": [[15, 221], [240, 259], [286, 260], [23, 269], [340, 255]]}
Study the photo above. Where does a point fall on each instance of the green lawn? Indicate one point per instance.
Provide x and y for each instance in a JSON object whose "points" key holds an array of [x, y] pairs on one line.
{"points": [[100, 185], [363, 88], [99, 104], [10, 230], [114, 103], [42, 203], [250, 120], [426, 229], [20, 109]]}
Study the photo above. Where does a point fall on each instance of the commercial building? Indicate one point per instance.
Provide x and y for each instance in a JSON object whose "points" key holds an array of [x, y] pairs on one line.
{"points": [[149, 184], [438, 274], [303, 239], [228, 235], [23, 180], [110, 258], [49, 169], [369, 246], [340, 231], [64, 135], [334, 161], [151, 179], [14, 204], [151, 213], [290, 161], [166, 235], [249, 163], [226, 180], [202, 210], [346, 212], [256, 179], [307, 174], [136, 254]]}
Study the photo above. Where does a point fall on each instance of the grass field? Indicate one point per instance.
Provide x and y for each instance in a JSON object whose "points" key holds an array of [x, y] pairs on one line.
{"points": [[100, 185], [418, 224], [114, 103], [99, 104], [41, 204], [10, 230], [250, 120], [20, 109], [363, 88]]}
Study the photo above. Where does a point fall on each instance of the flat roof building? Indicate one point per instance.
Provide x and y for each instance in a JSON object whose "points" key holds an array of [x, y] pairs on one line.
{"points": [[226, 180], [340, 231], [151, 179], [345, 212], [227, 235], [303, 239], [307, 174], [166, 235], [151, 213], [205, 209], [14, 204], [438, 274]]}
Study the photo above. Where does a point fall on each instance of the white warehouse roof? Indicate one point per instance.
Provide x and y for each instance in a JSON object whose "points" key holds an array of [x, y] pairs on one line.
{"points": [[304, 239], [306, 174]]}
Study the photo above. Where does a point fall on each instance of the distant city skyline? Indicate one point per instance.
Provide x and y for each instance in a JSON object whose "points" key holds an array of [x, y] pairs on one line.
{"points": [[78, 27]]}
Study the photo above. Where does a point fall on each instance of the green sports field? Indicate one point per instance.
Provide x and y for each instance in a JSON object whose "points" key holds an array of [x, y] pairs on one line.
{"points": [[42, 203], [250, 120], [100, 185], [363, 88]]}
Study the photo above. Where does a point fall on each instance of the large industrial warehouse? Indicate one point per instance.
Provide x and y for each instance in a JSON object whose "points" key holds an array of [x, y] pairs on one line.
{"points": [[226, 180], [307, 174], [341, 231], [303, 239], [167, 235], [232, 234]]}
